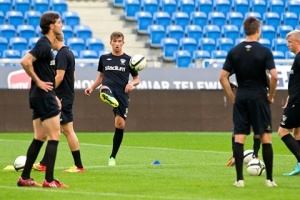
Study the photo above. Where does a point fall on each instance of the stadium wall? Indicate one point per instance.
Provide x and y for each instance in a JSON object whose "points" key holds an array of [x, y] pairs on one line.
{"points": [[150, 110]]}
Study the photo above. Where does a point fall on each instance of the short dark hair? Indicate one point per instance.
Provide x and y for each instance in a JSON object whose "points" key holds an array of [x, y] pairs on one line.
{"points": [[116, 34], [251, 25], [47, 19]]}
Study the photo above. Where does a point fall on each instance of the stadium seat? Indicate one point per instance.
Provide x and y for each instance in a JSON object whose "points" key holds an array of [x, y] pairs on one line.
{"points": [[91, 54], [201, 54], [32, 18], [2, 18], [14, 18], [40, 5], [5, 6], [18, 43], [71, 18], [292, 6], [283, 30], [253, 14], [235, 18], [169, 46], [187, 6], [279, 44], [38, 31], [289, 55], [224, 44], [216, 18], [193, 31], [180, 18], [32, 41], [68, 31], [100, 53], [83, 31], [95, 44], [75, 53], [143, 20], [3, 45], [239, 40], [150, 6], [219, 54], [289, 18], [21, 5], [59, 6], [155, 34], [24, 52], [259, 6], [207, 44], [11, 53], [223, 6], [76, 44], [175, 31], [278, 55], [211, 31], [230, 31], [162, 18], [268, 31], [205, 6], [198, 18], [117, 3], [188, 44], [271, 18], [7, 31], [182, 58], [169, 6], [130, 8], [241, 6], [26, 31], [265, 42], [276, 6]]}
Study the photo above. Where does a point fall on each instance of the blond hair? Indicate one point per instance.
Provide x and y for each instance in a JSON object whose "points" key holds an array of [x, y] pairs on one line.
{"points": [[295, 34]]}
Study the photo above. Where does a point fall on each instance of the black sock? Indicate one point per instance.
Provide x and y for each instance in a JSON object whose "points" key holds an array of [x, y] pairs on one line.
{"points": [[256, 147], [51, 151], [239, 156], [232, 144], [267, 153], [292, 145], [77, 159], [118, 137], [32, 153]]}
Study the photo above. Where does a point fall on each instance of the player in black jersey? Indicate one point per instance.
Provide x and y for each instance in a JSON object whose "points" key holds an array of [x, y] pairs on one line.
{"points": [[251, 104], [39, 64], [64, 84], [291, 114], [113, 79]]}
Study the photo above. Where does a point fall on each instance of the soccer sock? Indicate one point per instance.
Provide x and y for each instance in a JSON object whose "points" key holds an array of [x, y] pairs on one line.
{"points": [[51, 151], [292, 145], [232, 144], [77, 158], [256, 146], [32, 154], [267, 153], [118, 137], [239, 155]]}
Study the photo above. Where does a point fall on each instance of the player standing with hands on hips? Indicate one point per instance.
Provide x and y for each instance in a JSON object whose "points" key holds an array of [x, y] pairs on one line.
{"points": [[251, 105], [114, 70]]}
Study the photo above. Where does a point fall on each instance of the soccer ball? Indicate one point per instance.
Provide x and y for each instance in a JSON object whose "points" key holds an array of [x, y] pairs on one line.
{"points": [[248, 155], [255, 167], [19, 163], [138, 62]]}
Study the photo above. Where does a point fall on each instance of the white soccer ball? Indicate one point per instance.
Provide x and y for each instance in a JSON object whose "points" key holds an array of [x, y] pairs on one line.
{"points": [[248, 155], [138, 62], [255, 167], [19, 163]]}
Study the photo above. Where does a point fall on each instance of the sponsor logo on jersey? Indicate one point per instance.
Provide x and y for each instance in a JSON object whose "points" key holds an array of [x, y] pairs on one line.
{"points": [[114, 68], [122, 61]]}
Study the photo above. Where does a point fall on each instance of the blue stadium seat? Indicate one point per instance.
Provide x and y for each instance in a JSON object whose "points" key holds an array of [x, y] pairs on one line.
{"points": [[276, 6], [193, 31], [5, 5], [278, 55], [100, 53], [95, 44], [224, 44], [265, 42], [253, 14], [180, 18], [32, 41], [22, 5], [32, 18], [175, 31], [11, 53], [14, 18], [40, 5], [24, 52], [71, 18], [3, 45], [38, 31], [150, 6], [289, 55], [207, 44], [222, 5], [188, 44], [259, 6], [83, 31], [169, 46], [216, 18], [239, 40], [187, 6], [68, 31], [292, 6], [91, 54], [18, 43], [143, 20], [2, 18], [155, 34], [289, 18], [198, 18], [271, 18], [212, 31], [117, 3], [219, 54], [297, 27], [59, 6], [268, 31], [130, 8], [7, 31], [75, 53], [235, 18], [283, 30], [230, 31], [76, 44], [201, 54], [241, 6], [182, 58], [279, 44], [169, 6], [162, 18], [204, 6], [26, 31]]}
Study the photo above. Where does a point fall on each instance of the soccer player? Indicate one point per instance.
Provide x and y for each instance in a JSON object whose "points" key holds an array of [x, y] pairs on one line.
{"points": [[115, 86], [291, 113], [64, 84], [251, 104], [39, 64]]}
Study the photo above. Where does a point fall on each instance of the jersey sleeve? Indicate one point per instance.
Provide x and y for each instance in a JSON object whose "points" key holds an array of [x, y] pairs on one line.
{"points": [[61, 60]]}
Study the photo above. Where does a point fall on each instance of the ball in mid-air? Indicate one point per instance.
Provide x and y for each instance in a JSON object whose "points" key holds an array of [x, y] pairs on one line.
{"points": [[138, 62], [19, 163], [255, 167]]}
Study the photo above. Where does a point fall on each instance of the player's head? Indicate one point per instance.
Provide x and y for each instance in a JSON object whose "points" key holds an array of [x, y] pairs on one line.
{"points": [[293, 41], [252, 27], [50, 21], [117, 42], [58, 41]]}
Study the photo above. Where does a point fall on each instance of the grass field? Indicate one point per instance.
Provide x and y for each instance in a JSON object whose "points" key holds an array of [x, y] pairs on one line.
{"points": [[193, 167]]}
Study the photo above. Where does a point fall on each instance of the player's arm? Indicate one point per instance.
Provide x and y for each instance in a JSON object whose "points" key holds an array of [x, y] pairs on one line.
{"points": [[135, 81], [273, 85], [224, 80], [96, 83], [60, 74]]}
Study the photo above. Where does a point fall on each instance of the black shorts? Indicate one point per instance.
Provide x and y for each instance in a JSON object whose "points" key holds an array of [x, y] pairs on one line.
{"points": [[122, 109], [255, 113], [43, 107], [291, 116], [66, 111]]}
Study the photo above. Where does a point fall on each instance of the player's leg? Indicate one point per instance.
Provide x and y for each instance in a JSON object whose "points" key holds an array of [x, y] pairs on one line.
{"points": [[256, 145], [107, 96], [231, 161], [117, 139], [239, 156], [296, 133]]}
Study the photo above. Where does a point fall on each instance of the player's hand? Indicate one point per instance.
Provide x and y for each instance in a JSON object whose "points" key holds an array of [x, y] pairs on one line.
{"points": [[58, 102], [46, 86], [128, 88], [270, 99], [88, 91], [233, 87]]}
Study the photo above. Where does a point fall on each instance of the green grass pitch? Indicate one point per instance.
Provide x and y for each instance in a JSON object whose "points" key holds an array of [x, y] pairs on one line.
{"points": [[193, 167]]}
